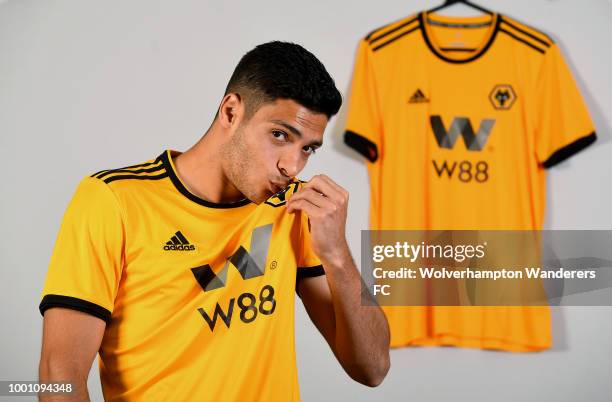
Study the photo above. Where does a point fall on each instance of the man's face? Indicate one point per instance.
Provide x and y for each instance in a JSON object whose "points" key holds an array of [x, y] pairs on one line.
{"points": [[272, 147]]}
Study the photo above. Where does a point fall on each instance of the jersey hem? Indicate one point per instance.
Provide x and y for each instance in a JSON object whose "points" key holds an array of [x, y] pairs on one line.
{"points": [[473, 343], [569, 150], [74, 303]]}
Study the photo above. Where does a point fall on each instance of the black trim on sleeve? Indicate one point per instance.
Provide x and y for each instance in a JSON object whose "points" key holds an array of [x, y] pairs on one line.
{"points": [[307, 272], [362, 145], [75, 304], [563, 153]]}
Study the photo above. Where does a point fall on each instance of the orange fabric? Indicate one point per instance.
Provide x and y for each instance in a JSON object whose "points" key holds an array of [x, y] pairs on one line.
{"points": [[129, 242], [463, 115]]}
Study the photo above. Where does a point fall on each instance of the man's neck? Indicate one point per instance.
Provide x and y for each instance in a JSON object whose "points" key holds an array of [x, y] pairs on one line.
{"points": [[200, 169]]}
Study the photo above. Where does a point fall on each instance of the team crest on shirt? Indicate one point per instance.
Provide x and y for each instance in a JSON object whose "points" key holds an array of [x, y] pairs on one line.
{"points": [[280, 198], [502, 97]]}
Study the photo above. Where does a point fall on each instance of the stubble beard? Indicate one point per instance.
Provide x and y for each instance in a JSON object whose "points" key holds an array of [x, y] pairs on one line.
{"points": [[237, 166]]}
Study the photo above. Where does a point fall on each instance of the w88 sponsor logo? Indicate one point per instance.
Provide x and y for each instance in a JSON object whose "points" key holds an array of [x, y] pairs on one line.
{"points": [[250, 307], [464, 171]]}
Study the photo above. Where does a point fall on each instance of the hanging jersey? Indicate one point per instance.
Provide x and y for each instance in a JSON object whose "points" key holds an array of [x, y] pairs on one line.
{"points": [[198, 297], [459, 119]]}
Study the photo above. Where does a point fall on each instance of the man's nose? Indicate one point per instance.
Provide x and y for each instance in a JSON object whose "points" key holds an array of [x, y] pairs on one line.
{"points": [[289, 164]]}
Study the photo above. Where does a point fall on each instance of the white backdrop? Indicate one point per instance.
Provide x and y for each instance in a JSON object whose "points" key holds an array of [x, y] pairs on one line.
{"points": [[88, 85]]}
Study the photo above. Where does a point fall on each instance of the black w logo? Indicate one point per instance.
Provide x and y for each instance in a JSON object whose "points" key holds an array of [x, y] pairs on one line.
{"points": [[249, 265], [461, 126]]}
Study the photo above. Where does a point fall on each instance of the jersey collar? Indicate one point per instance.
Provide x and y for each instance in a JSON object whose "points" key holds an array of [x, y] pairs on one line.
{"points": [[166, 159], [423, 23]]}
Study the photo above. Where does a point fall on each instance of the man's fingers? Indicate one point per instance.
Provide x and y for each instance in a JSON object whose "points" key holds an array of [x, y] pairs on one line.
{"points": [[314, 197], [321, 185], [332, 183], [327, 187], [303, 204], [341, 190]]}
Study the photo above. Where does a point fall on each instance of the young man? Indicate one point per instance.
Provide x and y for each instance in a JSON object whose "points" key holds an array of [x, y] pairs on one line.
{"points": [[181, 271]]}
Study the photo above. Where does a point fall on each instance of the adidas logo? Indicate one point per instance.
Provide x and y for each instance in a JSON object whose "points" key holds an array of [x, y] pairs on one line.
{"points": [[178, 242], [418, 97]]}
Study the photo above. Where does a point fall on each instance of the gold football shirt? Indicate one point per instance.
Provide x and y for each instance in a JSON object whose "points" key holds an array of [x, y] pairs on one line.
{"points": [[459, 117], [198, 297]]}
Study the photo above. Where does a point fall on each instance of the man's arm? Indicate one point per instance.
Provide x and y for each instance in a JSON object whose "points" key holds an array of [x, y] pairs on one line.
{"points": [[71, 340], [358, 335]]}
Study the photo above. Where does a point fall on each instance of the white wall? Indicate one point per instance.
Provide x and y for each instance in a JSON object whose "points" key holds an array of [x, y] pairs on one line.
{"points": [[87, 85]]}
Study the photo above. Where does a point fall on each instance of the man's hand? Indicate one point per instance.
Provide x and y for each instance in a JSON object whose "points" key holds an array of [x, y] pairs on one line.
{"points": [[325, 203], [357, 334]]}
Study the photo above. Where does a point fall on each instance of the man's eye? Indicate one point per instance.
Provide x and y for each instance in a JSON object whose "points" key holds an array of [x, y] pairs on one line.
{"points": [[309, 150], [279, 135]]}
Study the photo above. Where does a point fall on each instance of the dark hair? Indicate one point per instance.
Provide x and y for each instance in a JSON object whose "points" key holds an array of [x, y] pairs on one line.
{"points": [[283, 70]]}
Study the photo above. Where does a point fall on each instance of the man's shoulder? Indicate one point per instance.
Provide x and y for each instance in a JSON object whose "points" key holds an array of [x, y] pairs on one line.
{"points": [[150, 170]]}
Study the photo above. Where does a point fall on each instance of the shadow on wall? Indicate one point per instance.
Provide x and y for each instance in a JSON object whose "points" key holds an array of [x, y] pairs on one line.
{"points": [[602, 127], [599, 120], [337, 131]]}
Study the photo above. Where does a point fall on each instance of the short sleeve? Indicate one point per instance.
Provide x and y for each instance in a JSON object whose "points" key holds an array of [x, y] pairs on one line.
{"points": [[564, 126], [306, 255], [308, 264], [87, 260], [364, 125]]}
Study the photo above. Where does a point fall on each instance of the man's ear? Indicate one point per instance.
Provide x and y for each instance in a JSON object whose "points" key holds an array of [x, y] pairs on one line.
{"points": [[231, 110]]}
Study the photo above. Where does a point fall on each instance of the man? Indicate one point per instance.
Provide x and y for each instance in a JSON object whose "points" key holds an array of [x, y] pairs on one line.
{"points": [[181, 271]]}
